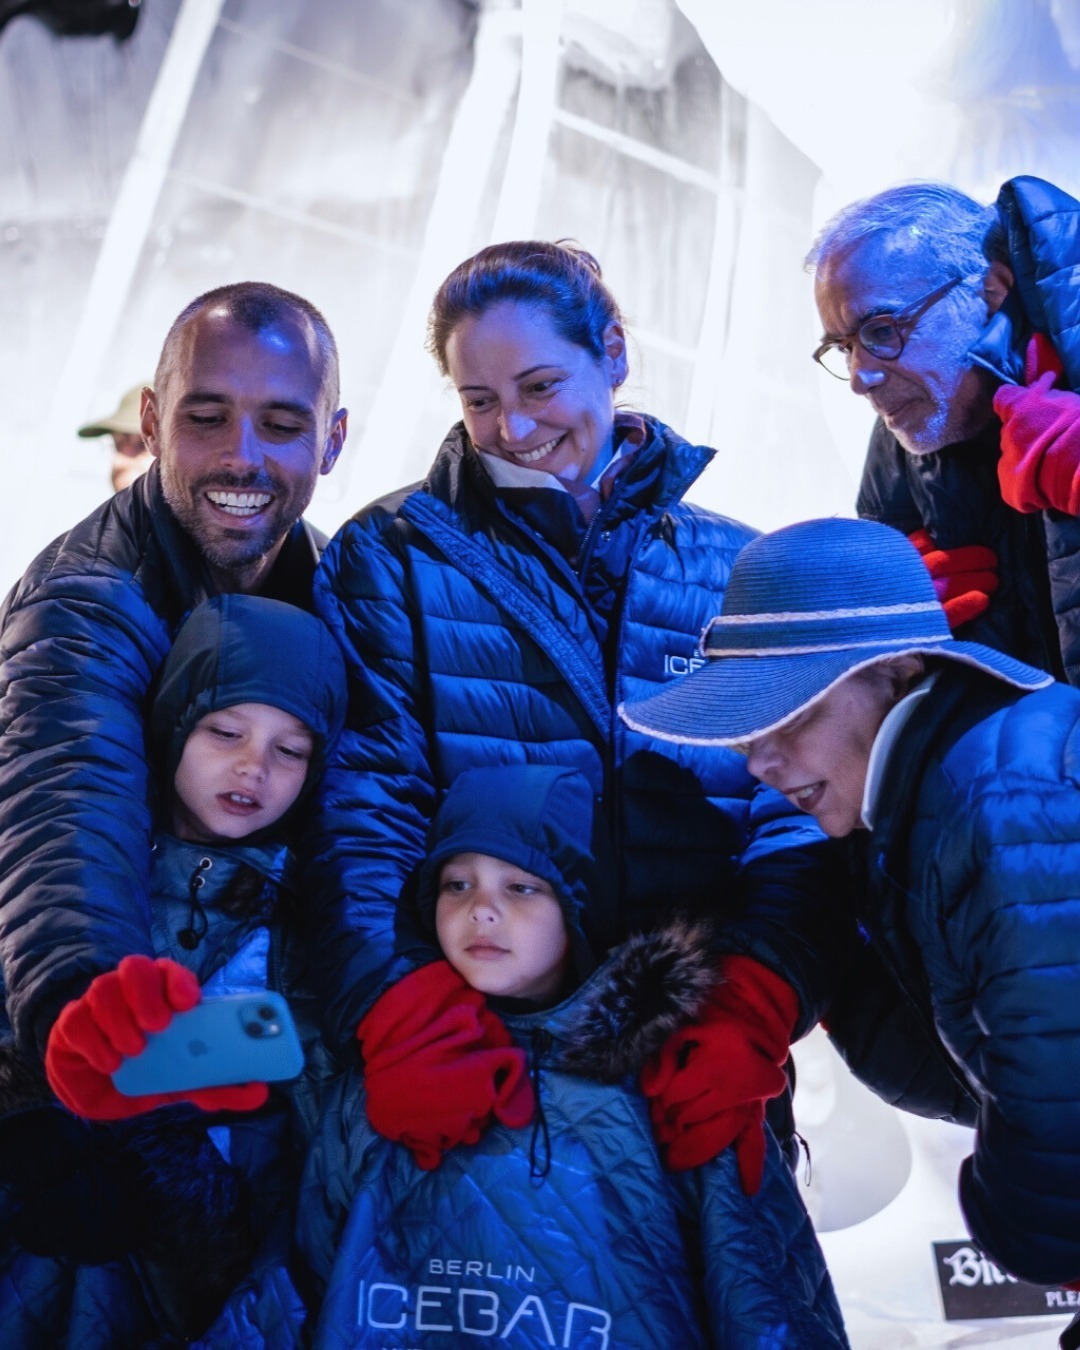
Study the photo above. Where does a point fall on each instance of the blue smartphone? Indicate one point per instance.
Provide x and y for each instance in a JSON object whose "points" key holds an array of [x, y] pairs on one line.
{"points": [[237, 1038]]}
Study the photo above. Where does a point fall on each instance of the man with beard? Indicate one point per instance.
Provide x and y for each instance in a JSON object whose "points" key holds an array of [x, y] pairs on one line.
{"points": [[954, 320], [242, 420]]}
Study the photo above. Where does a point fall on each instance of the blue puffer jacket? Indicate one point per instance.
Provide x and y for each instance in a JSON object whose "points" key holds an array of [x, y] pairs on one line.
{"points": [[82, 637], [975, 909], [471, 641], [954, 493]]}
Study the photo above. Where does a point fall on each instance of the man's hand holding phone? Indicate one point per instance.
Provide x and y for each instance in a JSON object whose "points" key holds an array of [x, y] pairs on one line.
{"points": [[94, 1033]]}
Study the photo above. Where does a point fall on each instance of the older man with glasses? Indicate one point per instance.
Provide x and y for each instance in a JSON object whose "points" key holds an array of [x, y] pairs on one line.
{"points": [[954, 320]]}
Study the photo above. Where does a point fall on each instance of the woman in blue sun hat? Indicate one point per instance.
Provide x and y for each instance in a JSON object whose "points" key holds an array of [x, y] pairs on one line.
{"points": [[956, 769]]}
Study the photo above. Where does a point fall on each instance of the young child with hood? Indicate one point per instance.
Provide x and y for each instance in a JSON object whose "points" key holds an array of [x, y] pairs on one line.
{"points": [[134, 1230], [558, 1225]]}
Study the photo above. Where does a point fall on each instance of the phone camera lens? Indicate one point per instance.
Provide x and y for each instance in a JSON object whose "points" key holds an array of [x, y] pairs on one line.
{"points": [[266, 1012], [254, 1029]]}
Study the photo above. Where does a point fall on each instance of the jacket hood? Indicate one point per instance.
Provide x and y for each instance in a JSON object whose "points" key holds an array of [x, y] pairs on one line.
{"points": [[540, 818], [1038, 219], [248, 649]]}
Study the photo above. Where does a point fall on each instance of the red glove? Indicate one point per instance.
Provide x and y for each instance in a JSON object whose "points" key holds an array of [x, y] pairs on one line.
{"points": [[964, 578], [438, 1065], [95, 1032], [709, 1083], [1040, 437]]}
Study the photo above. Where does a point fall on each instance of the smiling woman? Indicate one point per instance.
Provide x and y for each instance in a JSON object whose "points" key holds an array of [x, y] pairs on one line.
{"points": [[818, 759], [530, 397], [546, 567], [536, 363]]}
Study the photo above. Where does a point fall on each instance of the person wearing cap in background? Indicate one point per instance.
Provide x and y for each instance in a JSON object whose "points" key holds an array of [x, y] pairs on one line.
{"points": [[130, 454], [957, 769]]}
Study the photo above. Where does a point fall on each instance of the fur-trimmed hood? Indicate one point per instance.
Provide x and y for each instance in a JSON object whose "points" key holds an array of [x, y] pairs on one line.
{"points": [[650, 986]]}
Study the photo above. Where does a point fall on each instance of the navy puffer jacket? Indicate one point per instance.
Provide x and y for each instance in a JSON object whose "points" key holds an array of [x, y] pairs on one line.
{"points": [[974, 908], [82, 637], [470, 641], [954, 493]]}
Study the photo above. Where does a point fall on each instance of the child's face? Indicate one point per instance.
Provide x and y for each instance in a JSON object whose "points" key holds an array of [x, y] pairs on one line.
{"points": [[501, 929], [241, 770]]}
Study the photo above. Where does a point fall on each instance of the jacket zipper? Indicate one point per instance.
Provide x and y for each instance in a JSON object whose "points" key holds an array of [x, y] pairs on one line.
{"points": [[540, 1139]]}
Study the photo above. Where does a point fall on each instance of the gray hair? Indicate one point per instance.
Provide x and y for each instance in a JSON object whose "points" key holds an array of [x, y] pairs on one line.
{"points": [[957, 231], [257, 305]]}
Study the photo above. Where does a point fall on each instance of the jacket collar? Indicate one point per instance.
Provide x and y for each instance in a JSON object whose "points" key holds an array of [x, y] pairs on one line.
{"points": [[960, 697], [885, 742], [272, 859], [180, 572], [1000, 347], [659, 474]]}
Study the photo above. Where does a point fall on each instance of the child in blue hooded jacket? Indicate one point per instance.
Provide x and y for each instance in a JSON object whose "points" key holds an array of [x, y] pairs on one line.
{"points": [[126, 1231], [557, 1225]]}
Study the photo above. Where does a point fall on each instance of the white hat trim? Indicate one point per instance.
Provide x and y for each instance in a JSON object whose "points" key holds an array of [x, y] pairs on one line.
{"points": [[814, 615], [921, 640]]}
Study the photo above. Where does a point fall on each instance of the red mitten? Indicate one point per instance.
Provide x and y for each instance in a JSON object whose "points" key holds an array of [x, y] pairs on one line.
{"points": [[1040, 358], [964, 578], [95, 1032], [1040, 437], [439, 1065], [708, 1085]]}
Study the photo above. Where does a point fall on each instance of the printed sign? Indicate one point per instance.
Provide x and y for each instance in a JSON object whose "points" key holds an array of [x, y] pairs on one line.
{"points": [[972, 1287]]}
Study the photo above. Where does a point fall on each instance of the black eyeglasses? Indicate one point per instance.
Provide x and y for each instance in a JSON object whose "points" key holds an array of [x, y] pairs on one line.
{"points": [[882, 335]]}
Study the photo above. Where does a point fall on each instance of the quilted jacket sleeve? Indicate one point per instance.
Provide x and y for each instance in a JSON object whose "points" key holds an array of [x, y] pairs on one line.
{"points": [[887, 1044], [793, 909], [378, 795], [1012, 926], [78, 654]]}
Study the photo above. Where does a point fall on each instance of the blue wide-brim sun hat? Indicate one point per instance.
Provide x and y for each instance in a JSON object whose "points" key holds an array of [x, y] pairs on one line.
{"points": [[805, 607]]}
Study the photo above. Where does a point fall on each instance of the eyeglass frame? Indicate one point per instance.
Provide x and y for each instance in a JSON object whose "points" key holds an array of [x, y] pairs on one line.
{"points": [[904, 318]]}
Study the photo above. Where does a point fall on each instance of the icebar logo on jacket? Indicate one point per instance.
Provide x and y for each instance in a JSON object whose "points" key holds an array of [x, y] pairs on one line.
{"points": [[479, 1312], [677, 664]]}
